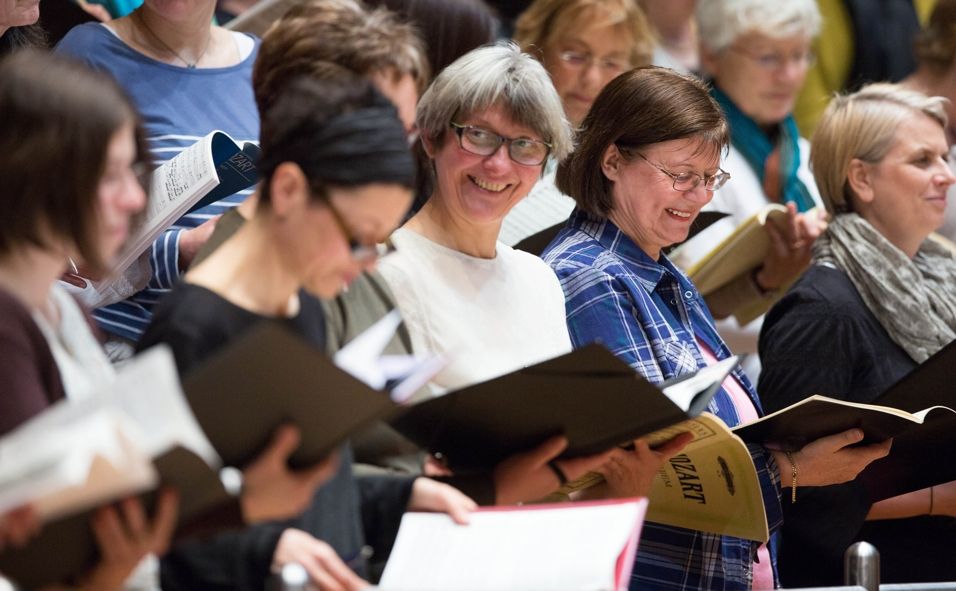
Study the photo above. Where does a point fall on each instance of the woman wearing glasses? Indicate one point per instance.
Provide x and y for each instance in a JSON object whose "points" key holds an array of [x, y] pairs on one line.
{"points": [[646, 164], [488, 123], [757, 53], [336, 179], [580, 60]]}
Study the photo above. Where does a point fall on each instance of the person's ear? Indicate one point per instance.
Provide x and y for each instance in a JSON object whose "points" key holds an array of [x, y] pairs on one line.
{"points": [[860, 178], [428, 144], [612, 162], [288, 190]]}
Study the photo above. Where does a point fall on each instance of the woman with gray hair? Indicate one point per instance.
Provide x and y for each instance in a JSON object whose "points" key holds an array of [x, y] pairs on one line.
{"points": [[488, 123], [878, 299], [757, 53]]}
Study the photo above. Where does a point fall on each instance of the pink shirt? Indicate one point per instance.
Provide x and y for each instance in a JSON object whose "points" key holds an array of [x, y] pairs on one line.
{"points": [[747, 412]]}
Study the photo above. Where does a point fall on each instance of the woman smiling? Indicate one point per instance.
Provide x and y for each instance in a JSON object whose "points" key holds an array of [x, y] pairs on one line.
{"points": [[878, 300], [647, 163]]}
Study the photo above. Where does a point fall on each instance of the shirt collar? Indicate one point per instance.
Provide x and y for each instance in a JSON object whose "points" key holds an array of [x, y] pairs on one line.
{"points": [[648, 272]]}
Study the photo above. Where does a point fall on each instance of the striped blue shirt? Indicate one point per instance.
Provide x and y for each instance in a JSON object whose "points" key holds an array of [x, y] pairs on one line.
{"points": [[179, 106], [649, 314]]}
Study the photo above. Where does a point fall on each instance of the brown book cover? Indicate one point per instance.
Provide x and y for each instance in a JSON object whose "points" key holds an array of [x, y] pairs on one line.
{"points": [[270, 377]]}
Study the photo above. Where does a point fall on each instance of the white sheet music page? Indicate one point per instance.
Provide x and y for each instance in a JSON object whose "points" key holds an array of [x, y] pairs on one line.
{"points": [[564, 546]]}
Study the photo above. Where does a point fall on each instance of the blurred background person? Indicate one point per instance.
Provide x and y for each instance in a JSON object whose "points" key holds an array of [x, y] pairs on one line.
{"points": [[935, 75], [861, 41], [676, 31], [757, 53], [581, 59], [158, 47], [449, 28]]}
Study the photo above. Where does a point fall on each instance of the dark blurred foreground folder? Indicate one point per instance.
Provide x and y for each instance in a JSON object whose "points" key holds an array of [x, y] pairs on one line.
{"points": [[593, 398], [568, 546], [238, 399], [79, 455], [918, 412]]}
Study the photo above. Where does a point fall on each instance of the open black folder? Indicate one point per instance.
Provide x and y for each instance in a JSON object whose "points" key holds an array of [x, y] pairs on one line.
{"points": [[918, 412], [239, 397], [270, 377], [593, 398]]}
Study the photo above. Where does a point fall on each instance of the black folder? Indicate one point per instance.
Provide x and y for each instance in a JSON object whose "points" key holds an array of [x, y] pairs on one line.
{"points": [[593, 398], [67, 547], [270, 377], [240, 397], [921, 453]]}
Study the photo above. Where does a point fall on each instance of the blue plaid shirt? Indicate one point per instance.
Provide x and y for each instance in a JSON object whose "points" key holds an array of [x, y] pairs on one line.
{"points": [[649, 314]]}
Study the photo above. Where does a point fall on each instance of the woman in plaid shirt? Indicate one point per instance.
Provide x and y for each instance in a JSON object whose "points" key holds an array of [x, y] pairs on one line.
{"points": [[647, 162]]}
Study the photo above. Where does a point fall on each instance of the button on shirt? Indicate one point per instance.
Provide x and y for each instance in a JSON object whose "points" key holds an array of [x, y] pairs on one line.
{"points": [[648, 313]]}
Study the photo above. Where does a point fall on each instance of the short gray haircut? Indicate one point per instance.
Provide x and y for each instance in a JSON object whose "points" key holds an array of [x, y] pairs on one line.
{"points": [[496, 75], [721, 22]]}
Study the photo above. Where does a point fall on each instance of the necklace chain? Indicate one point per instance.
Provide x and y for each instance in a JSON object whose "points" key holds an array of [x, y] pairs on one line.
{"points": [[154, 36]]}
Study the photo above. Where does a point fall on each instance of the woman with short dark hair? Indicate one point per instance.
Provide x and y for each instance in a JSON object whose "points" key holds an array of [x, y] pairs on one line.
{"points": [[336, 177], [647, 162], [62, 118]]}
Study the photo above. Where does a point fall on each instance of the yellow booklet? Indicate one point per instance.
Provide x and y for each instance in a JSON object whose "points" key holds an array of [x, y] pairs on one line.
{"points": [[710, 486], [741, 252]]}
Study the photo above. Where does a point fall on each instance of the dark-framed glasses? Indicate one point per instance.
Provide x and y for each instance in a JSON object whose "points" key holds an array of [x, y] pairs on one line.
{"points": [[688, 181], [484, 142], [359, 251]]}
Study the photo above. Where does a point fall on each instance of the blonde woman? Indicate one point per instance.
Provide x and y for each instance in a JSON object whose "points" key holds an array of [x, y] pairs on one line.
{"points": [[581, 60]]}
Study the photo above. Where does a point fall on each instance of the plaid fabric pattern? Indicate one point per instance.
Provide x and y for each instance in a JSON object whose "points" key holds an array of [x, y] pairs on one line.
{"points": [[649, 314]]}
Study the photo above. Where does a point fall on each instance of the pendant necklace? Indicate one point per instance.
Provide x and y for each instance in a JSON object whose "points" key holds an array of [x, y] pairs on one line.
{"points": [[155, 37]]}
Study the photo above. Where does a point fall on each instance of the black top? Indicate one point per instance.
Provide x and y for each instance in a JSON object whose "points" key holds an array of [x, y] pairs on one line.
{"points": [[196, 322], [822, 339]]}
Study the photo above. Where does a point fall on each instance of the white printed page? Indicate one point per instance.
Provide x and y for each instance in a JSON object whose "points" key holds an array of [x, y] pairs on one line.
{"points": [[176, 185], [568, 546], [147, 390], [362, 358], [683, 393]]}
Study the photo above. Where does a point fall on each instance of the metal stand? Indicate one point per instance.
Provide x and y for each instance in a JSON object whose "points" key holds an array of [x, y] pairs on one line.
{"points": [[861, 566]]}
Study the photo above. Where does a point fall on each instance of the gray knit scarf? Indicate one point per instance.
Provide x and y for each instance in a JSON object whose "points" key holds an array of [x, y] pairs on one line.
{"points": [[914, 299]]}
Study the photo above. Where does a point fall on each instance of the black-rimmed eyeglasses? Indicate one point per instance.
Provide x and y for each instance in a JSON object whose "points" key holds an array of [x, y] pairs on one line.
{"points": [[688, 181], [484, 142], [360, 252]]}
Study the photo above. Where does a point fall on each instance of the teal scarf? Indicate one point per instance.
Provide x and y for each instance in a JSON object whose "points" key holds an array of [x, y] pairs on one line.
{"points": [[753, 143]]}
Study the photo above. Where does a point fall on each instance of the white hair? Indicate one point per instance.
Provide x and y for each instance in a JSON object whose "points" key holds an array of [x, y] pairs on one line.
{"points": [[721, 22], [496, 75]]}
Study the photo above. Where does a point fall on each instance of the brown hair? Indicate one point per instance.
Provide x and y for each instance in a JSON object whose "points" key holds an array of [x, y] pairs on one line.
{"points": [[936, 45], [639, 108], [313, 34], [449, 28], [58, 120], [546, 21]]}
